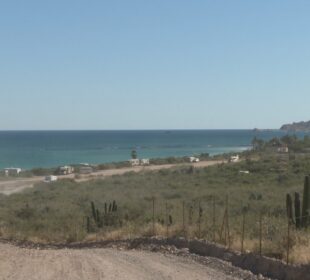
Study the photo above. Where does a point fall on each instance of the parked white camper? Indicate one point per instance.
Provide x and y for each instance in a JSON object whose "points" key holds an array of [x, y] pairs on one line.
{"points": [[86, 170], [283, 149], [144, 161], [193, 159], [134, 162], [50, 178], [234, 158], [11, 171], [65, 170]]}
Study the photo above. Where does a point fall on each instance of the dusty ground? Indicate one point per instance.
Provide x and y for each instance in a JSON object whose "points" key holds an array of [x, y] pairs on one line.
{"points": [[16, 185], [111, 263], [13, 186]]}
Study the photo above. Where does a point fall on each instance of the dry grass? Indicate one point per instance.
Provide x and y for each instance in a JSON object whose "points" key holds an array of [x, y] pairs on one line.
{"points": [[300, 254], [56, 212]]}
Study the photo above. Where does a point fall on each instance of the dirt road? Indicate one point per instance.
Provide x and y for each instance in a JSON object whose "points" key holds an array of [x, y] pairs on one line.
{"points": [[105, 263], [16, 185]]}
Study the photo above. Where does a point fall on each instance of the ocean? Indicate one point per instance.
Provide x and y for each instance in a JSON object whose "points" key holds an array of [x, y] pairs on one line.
{"points": [[31, 149]]}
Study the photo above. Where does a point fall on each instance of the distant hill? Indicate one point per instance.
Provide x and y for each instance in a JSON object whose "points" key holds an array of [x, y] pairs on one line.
{"points": [[298, 126]]}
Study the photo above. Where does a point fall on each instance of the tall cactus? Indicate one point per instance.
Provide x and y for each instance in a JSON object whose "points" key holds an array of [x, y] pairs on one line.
{"points": [[114, 208], [98, 221], [302, 211], [289, 207], [96, 215], [297, 210], [190, 215], [170, 220], [200, 212], [306, 203], [87, 224], [93, 210], [108, 217]]}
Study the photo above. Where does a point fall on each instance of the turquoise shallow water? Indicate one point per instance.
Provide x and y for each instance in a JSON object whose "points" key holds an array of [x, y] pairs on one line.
{"points": [[28, 149]]}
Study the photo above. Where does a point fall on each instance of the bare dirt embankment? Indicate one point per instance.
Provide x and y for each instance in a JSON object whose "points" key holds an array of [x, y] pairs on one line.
{"points": [[8, 187], [113, 262]]}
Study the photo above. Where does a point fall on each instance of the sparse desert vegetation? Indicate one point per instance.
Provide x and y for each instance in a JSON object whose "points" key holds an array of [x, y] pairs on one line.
{"points": [[62, 211]]}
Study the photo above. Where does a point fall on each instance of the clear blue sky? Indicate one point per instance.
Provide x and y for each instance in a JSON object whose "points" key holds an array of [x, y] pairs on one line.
{"points": [[144, 64]]}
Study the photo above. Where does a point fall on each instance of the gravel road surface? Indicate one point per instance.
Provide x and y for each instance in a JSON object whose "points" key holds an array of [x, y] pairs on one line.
{"points": [[108, 263]]}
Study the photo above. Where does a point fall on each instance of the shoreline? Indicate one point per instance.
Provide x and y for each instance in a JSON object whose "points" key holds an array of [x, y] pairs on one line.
{"points": [[238, 149]]}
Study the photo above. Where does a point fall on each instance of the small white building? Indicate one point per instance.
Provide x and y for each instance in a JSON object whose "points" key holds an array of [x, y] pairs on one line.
{"points": [[244, 172], [145, 161], [193, 159], [65, 170], [50, 178], [134, 162], [234, 158], [11, 171]]}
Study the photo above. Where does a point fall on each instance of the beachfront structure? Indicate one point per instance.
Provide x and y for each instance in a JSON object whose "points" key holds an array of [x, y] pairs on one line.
{"points": [[134, 162], [193, 159], [65, 170], [86, 170], [234, 158], [50, 178], [11, 171], [144, 161]]}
